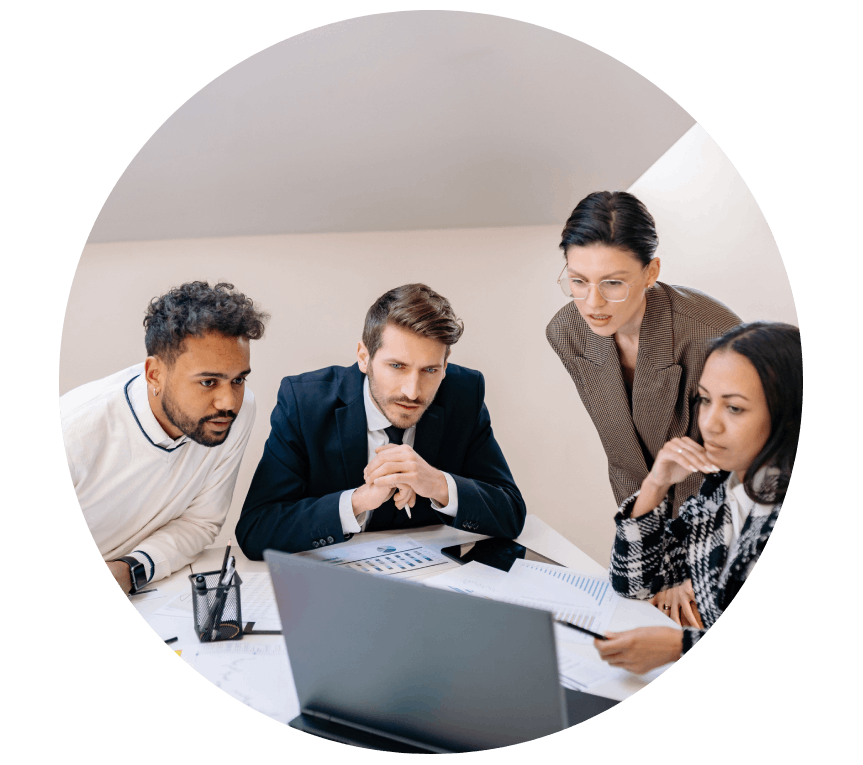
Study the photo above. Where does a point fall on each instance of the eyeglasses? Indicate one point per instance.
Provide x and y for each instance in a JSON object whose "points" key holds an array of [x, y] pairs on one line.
{"points": [[613, 290]]}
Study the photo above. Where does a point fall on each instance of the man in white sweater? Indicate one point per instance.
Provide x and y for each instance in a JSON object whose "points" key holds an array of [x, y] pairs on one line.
{"points": [[154, 450]]}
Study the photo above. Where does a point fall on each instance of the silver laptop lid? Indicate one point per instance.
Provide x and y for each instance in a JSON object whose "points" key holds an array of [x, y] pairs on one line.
{"points": [[450, 671]]}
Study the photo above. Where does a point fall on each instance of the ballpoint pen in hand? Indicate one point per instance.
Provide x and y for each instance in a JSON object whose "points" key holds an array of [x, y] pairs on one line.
{"points": [[581, 629]]}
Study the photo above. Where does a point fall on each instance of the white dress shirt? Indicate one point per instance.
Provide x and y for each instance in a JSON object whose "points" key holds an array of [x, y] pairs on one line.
{"points": [[376, 421], [142, 493]]}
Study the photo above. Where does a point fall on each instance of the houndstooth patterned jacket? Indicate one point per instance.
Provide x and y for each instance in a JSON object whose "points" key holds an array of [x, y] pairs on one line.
{"points": [[677, 323], [655, 551]]}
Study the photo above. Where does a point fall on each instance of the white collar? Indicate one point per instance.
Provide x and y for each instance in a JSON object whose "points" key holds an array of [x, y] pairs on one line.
{"points": [[375, 419], [737, 492], [137, 391]]}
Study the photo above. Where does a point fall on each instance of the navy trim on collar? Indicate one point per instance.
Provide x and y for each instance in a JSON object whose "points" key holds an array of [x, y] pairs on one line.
{"points": [[132, 410]]}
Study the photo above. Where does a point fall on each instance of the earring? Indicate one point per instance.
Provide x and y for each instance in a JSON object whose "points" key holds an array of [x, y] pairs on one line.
{"points": [[155, 392]]}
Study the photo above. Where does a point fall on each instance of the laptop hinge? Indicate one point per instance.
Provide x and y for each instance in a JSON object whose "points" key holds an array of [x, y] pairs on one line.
{"points": [[342, 730]]}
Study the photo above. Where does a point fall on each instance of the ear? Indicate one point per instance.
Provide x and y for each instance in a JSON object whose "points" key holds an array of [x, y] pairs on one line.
{"points": [[652, 272], [155, 372], [363, 357]]}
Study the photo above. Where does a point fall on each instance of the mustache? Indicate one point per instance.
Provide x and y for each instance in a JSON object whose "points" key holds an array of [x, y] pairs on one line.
{"points": [[219, 416], [411, 401]]}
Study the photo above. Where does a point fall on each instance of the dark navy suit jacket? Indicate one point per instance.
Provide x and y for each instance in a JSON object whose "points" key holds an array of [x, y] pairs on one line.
{"points": [[318, 448]]}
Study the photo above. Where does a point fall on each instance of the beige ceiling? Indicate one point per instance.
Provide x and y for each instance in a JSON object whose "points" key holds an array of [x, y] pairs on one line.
{"points": [[414, 120]]}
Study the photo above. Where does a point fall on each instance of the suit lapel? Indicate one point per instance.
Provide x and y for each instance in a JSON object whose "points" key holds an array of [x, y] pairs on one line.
{"points": [[352, 426], [657, 378], [600, 370], [429, 434]]}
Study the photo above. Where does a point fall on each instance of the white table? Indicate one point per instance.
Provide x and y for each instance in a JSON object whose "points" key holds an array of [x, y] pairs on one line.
{"points": [[537, 536]]}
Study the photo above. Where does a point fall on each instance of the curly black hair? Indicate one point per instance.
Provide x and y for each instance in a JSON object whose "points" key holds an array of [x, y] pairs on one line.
{"points": [[194, 309]]}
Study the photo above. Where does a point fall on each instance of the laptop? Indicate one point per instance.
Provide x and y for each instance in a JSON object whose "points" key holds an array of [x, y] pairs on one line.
{"points": [[396, 666]]}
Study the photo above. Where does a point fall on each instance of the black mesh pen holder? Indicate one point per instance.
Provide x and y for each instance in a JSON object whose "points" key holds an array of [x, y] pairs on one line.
{"points": [[216, 607]]}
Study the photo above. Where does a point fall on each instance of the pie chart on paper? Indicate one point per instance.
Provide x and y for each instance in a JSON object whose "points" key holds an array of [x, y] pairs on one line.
{"points": [[387, 549]]}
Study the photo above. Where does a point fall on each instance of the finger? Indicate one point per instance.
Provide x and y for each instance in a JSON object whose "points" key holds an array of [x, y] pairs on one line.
{"points": [[686, 610], [674, 613], [697, 454], [392, 480], [401, 497], [698, 622], [385, 453], [387, 447], [389, 468], [687, 460]]}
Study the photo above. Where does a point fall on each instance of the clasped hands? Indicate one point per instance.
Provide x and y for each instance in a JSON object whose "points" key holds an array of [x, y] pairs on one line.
{"points": [[399, 472]]}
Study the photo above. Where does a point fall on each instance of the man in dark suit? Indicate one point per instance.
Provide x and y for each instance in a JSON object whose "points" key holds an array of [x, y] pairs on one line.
{"points": [[399, 440]]}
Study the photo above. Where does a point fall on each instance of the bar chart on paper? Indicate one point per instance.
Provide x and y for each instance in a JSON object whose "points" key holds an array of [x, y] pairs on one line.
{"points": [[570, 596], [591, 599], [398, 555]]}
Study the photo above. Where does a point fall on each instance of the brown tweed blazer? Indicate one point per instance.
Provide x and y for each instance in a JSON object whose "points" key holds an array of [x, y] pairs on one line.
{"points": [[677, 323]]}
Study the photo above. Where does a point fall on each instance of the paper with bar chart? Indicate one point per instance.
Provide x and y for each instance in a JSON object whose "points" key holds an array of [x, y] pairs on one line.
{"points": [[395, 555], [569, 595]]}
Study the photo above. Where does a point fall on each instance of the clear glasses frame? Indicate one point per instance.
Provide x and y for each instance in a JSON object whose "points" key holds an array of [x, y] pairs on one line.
{"points": [[610, 289]]}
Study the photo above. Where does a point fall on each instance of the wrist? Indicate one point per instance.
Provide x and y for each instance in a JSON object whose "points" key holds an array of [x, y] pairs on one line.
{"points": [[675, 645], [441, 494], [357, 504], [650, 496]]}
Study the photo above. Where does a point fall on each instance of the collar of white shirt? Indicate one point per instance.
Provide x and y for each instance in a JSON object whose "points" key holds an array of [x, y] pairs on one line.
{"points": [[137, 392], [375, 419]]}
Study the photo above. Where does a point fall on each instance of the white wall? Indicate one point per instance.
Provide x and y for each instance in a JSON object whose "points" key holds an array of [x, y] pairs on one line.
{"points": [[501, 282], [712, 234]]}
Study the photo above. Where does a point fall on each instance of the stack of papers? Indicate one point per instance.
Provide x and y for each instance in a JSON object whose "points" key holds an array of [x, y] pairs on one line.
{"points": [[569, 595]]}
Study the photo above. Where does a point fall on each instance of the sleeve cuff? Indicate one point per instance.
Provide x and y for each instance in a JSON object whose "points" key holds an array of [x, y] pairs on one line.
{"points": [[149, 566], [152, 558], [350, 523], [691, 636], [657, 515], [452, 507]]}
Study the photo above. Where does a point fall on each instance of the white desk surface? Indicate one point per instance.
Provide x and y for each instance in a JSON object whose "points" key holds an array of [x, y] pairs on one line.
{"points": [[537, 536]]}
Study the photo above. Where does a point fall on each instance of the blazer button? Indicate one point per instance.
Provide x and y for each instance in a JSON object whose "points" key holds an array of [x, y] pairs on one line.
{"points": [[314, 544], [322, 542], [330, 540]]}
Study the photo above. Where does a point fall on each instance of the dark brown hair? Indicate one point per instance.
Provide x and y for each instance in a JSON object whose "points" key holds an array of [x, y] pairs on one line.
{"points": [[196, 308], [774, 349], [416, 308]]}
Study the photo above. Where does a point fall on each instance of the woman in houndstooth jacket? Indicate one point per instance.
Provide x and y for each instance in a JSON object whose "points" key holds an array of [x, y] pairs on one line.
{"points": [[750, 401], [634, 347]]}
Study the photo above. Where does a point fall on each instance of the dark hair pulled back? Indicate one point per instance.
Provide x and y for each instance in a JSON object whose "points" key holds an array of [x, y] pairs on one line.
{"points": [[615, 219]]}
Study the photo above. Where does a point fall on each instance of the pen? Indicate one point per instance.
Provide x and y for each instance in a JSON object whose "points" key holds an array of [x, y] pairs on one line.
{"points": [[171, 640], [581, 629], [225, 559]]}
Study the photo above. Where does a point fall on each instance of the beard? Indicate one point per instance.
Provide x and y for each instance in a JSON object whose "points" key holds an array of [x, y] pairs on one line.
{"points": [[191, 428], [387, 405]]}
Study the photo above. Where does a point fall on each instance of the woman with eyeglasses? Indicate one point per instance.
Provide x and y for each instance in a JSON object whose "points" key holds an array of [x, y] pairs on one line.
{"points": [[634, 346], [750, 404]]}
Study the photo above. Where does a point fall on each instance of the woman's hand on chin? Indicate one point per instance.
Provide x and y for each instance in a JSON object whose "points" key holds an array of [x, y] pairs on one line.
{"points": [[641, 650], [678, 459]]}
